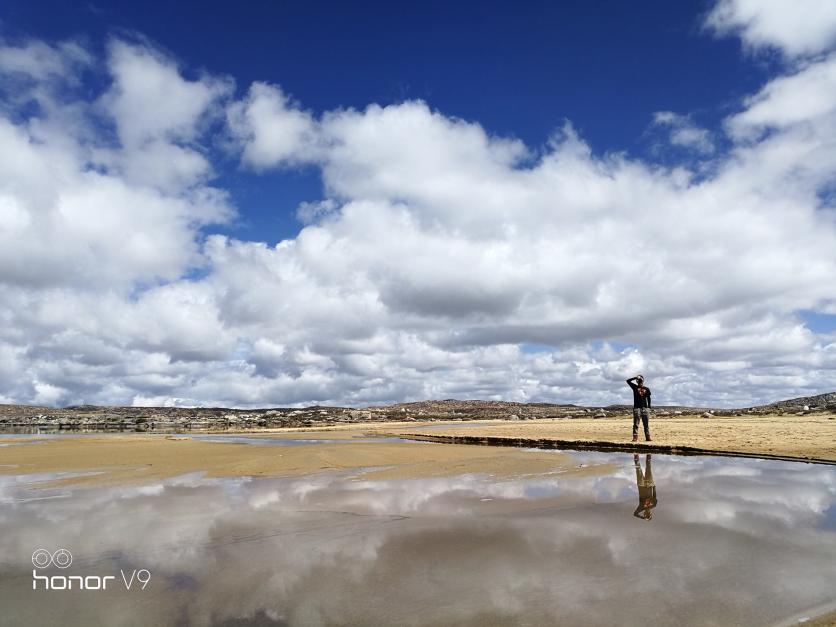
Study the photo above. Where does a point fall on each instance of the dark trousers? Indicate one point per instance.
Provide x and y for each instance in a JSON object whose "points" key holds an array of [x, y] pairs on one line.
{"points": [[644, 414]]}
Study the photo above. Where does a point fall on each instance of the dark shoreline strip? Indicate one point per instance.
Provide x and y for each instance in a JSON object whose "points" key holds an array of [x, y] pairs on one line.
{"points": [[601, 445]]}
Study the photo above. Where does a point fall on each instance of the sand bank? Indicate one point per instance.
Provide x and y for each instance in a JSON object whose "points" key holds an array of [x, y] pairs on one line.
{"points": [[128, 458], [143, 457], [811, 437]]}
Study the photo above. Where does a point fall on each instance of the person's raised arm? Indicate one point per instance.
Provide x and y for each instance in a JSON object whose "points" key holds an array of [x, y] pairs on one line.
{"points": [[631, 382]]}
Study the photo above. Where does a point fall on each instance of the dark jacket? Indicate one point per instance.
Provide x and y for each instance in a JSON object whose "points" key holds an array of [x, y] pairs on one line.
{"points": [[647, 500], [641, 394]]}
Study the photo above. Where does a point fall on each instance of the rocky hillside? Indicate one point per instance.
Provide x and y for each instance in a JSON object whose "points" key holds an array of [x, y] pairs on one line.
{"points": [[821, 401], [179, 418]]}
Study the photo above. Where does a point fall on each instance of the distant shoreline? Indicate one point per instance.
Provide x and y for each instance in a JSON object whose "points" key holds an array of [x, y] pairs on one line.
{"points": [[168, 419], [139, 456]]}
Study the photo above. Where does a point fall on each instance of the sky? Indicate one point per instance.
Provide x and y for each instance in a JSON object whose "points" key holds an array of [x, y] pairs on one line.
{"points": [[284, 204]]}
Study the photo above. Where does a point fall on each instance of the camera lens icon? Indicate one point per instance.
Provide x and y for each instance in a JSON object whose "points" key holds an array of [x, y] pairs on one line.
{"points": [[62, 558], [42, 558]]}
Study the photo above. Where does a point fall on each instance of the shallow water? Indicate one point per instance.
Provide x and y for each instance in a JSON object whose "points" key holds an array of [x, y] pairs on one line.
{"points": [[284, 441], [453, 425], [728, 542], [15, 439]]}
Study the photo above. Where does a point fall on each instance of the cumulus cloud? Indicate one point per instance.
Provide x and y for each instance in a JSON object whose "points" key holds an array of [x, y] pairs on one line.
{"points": [[797, 28], [89, 221], [683, 132], [444, 230], [75, 214], [157, 117], [800, 99], [441, 261], [149, 99], [270, 128]]}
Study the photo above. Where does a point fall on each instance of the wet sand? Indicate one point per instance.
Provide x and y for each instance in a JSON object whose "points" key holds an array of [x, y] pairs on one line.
{"points": [[810, 437], [828, 620], [138, 458], [143, 457]]}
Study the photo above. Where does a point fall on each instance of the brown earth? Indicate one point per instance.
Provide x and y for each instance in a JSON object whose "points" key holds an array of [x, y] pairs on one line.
{"points": [[810, 437], [140, 458]]}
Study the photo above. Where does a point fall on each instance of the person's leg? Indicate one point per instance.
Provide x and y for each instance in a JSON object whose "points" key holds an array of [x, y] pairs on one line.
{"points": [[646, 422], [636, 414], [648, 472]]}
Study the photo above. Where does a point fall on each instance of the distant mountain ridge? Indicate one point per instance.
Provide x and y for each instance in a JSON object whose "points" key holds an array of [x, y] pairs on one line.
{"points": [[179, 418], [819, 400]]}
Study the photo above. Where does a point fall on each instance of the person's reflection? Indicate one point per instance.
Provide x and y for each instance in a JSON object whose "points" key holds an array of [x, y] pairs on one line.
{"points": [[647, 489]]}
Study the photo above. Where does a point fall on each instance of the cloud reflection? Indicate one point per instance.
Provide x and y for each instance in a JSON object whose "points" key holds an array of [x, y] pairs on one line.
{"points": [[734, 541]]}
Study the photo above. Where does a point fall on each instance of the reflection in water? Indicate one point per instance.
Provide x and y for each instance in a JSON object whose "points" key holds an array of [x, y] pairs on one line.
{"points": [[742, 542], [285, 441], [647, 489]]}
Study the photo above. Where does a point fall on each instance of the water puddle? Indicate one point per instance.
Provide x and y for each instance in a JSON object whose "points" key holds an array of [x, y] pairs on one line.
{"points": [[659, 540], [285, 441], [455, 425]]}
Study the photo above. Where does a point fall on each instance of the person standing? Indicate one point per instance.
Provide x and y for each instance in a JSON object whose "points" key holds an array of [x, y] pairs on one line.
{"points": [[641, 406]]}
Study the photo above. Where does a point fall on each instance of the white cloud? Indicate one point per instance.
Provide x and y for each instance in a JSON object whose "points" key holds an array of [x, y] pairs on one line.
{"points": [[150, 99], [798, 28], [37, 60], [81, 211], [683, 132], [158, 116], [444, 239], [437, 252], [803, 98], [271, 129]]}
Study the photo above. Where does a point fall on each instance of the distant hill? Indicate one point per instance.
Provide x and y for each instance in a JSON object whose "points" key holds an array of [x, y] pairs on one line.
{"points": [[180, 418], [827, 401]]}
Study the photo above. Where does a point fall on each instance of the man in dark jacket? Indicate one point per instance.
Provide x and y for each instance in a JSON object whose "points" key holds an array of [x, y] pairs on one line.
{"points": [[641, 406]]}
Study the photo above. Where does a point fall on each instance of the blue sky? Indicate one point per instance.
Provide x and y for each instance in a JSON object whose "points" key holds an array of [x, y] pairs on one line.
{"points": [[351, 203], [519, 69]]}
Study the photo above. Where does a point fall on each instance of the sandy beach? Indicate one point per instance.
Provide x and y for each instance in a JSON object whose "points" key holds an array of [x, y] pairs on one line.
{"points": [[143, 457], [811, 437], [139, 458]]}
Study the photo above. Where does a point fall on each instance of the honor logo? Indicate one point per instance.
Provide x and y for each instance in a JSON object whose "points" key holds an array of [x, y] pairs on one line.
{"points": [[42, 558], [62, 558]]}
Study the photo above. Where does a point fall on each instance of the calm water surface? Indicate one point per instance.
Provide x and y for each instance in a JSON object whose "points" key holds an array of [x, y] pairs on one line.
{"points": [[687, 540]]}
